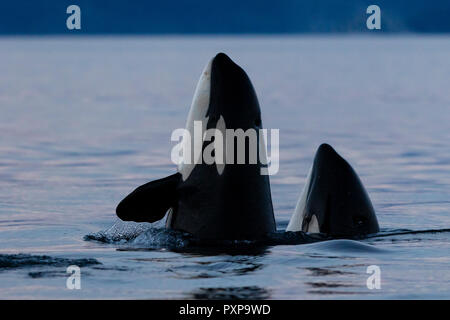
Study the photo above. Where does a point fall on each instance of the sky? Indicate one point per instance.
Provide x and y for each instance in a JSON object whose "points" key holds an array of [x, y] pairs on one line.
{"points": [[43, 17]]}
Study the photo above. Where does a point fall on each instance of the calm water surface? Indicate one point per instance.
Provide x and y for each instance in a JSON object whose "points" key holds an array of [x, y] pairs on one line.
{"points": [[83, 121]]}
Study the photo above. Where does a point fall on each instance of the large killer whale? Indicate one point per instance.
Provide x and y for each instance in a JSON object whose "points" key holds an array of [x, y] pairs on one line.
{"points": [[212, 201], [233, 201], [333, 201]]}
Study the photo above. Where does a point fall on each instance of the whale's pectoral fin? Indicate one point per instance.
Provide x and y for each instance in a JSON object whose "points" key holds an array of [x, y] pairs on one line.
{"points": [[151, 201]]}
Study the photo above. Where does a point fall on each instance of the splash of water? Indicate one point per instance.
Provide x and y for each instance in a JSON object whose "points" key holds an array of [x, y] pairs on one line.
{"points": [[119, 232]]}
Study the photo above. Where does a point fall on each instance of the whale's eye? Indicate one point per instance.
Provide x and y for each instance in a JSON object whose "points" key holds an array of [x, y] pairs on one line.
{"points": [[359, 221]]}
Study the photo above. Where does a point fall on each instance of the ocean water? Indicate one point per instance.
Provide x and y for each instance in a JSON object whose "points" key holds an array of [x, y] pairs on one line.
{"points": [[83, 121]]}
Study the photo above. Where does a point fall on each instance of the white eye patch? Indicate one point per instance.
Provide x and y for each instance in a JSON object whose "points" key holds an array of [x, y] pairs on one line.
{"points": [[313, 225]]}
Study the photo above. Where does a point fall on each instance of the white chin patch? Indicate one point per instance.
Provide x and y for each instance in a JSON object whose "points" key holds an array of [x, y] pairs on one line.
{"points": [[295, 224], [199, 108]]}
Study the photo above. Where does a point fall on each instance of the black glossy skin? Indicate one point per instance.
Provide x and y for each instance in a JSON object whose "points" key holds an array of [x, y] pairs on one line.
{"points": [[338, 198], [234, 205], [238, 203]]}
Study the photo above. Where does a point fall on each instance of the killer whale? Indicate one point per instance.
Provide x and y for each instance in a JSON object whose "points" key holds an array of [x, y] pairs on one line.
{"points": [[212, 201], [333, 201]]}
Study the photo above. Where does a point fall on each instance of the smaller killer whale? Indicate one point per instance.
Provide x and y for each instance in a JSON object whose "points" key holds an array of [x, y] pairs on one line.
{"points": [[213, 201], [334, 201]]}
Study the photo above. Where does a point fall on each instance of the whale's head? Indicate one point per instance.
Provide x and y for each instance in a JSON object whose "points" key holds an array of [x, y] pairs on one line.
{"points": [[224, 99], [232, 95], [334, 200]]}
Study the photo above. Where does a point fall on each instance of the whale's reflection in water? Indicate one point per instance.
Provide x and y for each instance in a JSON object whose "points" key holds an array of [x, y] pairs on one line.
{"points": [[219, 267], [204, 263], [333, 280]]}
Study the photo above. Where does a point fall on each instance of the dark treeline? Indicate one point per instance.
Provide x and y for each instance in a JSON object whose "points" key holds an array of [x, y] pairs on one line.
{"points": [[221, 17]]}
